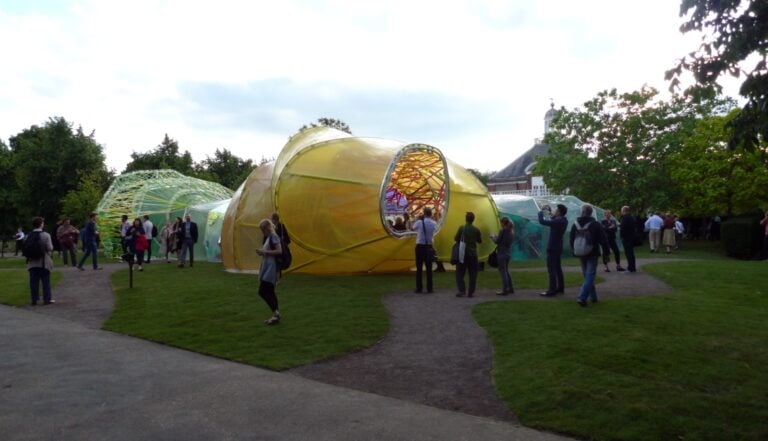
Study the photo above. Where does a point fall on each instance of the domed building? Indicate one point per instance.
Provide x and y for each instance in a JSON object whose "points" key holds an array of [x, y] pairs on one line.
{"points": [[517, 178]]}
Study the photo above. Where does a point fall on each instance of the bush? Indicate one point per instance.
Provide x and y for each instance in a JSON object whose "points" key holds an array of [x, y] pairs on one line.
{"points": [[742, 235]]}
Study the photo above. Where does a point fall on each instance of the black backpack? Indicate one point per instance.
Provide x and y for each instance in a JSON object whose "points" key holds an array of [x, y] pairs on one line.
{"points": [[33, 247], [283, 260]]}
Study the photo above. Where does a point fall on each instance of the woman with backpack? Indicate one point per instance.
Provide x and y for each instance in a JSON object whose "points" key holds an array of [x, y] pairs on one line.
{"points": [[268, 272], [137, 243]]}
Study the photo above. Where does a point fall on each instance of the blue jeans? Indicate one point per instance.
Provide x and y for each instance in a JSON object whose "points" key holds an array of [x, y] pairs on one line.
{"points": [[506, 279], [37, 275], [90, 249], [588, 269]]}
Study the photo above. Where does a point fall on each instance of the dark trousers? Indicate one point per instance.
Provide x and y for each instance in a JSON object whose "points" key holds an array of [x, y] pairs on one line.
{"points": [[68, 251], [470, 265], [124, 245], [267, 292], [555, 270], [37, 275], [187, 245], [90, 249], [149, 250], [138, 257], [613, 248], [423, 257], [629, 251]]}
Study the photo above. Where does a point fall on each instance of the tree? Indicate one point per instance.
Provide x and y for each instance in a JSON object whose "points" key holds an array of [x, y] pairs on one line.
{"points": [[482, 176], [616, 151], [716, 179], [165, 156], [328, 122], [48, 162], [77, 204], [225, 168], [9, 218], [733, 31]]}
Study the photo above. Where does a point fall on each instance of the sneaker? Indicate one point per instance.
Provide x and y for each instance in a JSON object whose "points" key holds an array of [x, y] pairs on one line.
{"points": [[81, 268], [49, 302], [274, 320], [607, 270], [502, 293], [620, 269], [548, 294], [460, 294], [582, 304], [141, 268]]}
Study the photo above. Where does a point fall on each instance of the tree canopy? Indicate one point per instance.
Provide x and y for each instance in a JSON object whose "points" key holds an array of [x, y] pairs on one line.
{"points": [[328, 122], [225, 168], [619, 149], [734, 41], [49, 162], [165, 156]]}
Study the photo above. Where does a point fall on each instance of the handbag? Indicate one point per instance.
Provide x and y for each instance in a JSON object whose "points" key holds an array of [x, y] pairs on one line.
{"points": [[459, 250], [493, 260]]}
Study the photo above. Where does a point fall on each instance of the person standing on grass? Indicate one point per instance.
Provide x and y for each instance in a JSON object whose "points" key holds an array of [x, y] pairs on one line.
{"points": [[188, 235], [679, 232], [557, 225], [653, 226], [90, 236], [39, 262], [470, 235], [610, 226], [628, 233], [503, 253], [425, 233], [166, 240], [67, 235], [595, 234], [148, 231], [268, 271], [668, 238], [19, 237], [137, 243], [124, 226]]}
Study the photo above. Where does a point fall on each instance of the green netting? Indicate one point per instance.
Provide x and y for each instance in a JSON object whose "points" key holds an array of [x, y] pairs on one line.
{"points": [[161, 194], [531, 237]]}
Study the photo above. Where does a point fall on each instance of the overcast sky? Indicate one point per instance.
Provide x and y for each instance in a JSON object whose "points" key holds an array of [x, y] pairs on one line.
{"points": [[473, 78]]}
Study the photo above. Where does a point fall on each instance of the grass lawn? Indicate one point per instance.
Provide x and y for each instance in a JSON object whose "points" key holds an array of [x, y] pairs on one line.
{"points": [[211, 311], [691, 365], [15, 286]]}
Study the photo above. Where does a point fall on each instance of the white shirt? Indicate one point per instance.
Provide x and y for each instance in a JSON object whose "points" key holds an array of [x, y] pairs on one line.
{"points": [[654, 223], [679, 227], [148, 228], [124, 228], [429, 226]]}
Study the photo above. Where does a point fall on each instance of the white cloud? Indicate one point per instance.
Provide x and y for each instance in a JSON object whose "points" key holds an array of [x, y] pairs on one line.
{"points": [[124, 69]]}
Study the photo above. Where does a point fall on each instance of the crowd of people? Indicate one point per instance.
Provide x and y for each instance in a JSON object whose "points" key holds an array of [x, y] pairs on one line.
{"points": [[589, 240]]}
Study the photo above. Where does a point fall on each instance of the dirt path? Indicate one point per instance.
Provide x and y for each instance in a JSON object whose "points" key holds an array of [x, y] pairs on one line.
{"points": [[436, 354]]}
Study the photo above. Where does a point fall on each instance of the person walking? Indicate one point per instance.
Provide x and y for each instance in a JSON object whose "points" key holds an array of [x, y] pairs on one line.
{"points": [[149, 229], [610, 227], [679, 232], [67, 235], [470, 235], [653, 226], [90, 236], [503, 243], [188, 236], [628, 234], [19, 237], [39, 262], [593, 236], [268, 271], [425, 231], [557, 225], [668, 238]]}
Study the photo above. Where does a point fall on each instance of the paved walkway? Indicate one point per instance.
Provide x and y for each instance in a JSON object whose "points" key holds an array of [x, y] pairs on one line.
{"points": [[62, 378]]}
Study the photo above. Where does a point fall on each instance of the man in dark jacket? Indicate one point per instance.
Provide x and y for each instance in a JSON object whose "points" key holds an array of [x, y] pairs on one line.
{"points": [[557, 225], [90, 245], [589, 261], [628, 231], [188, 241]]}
